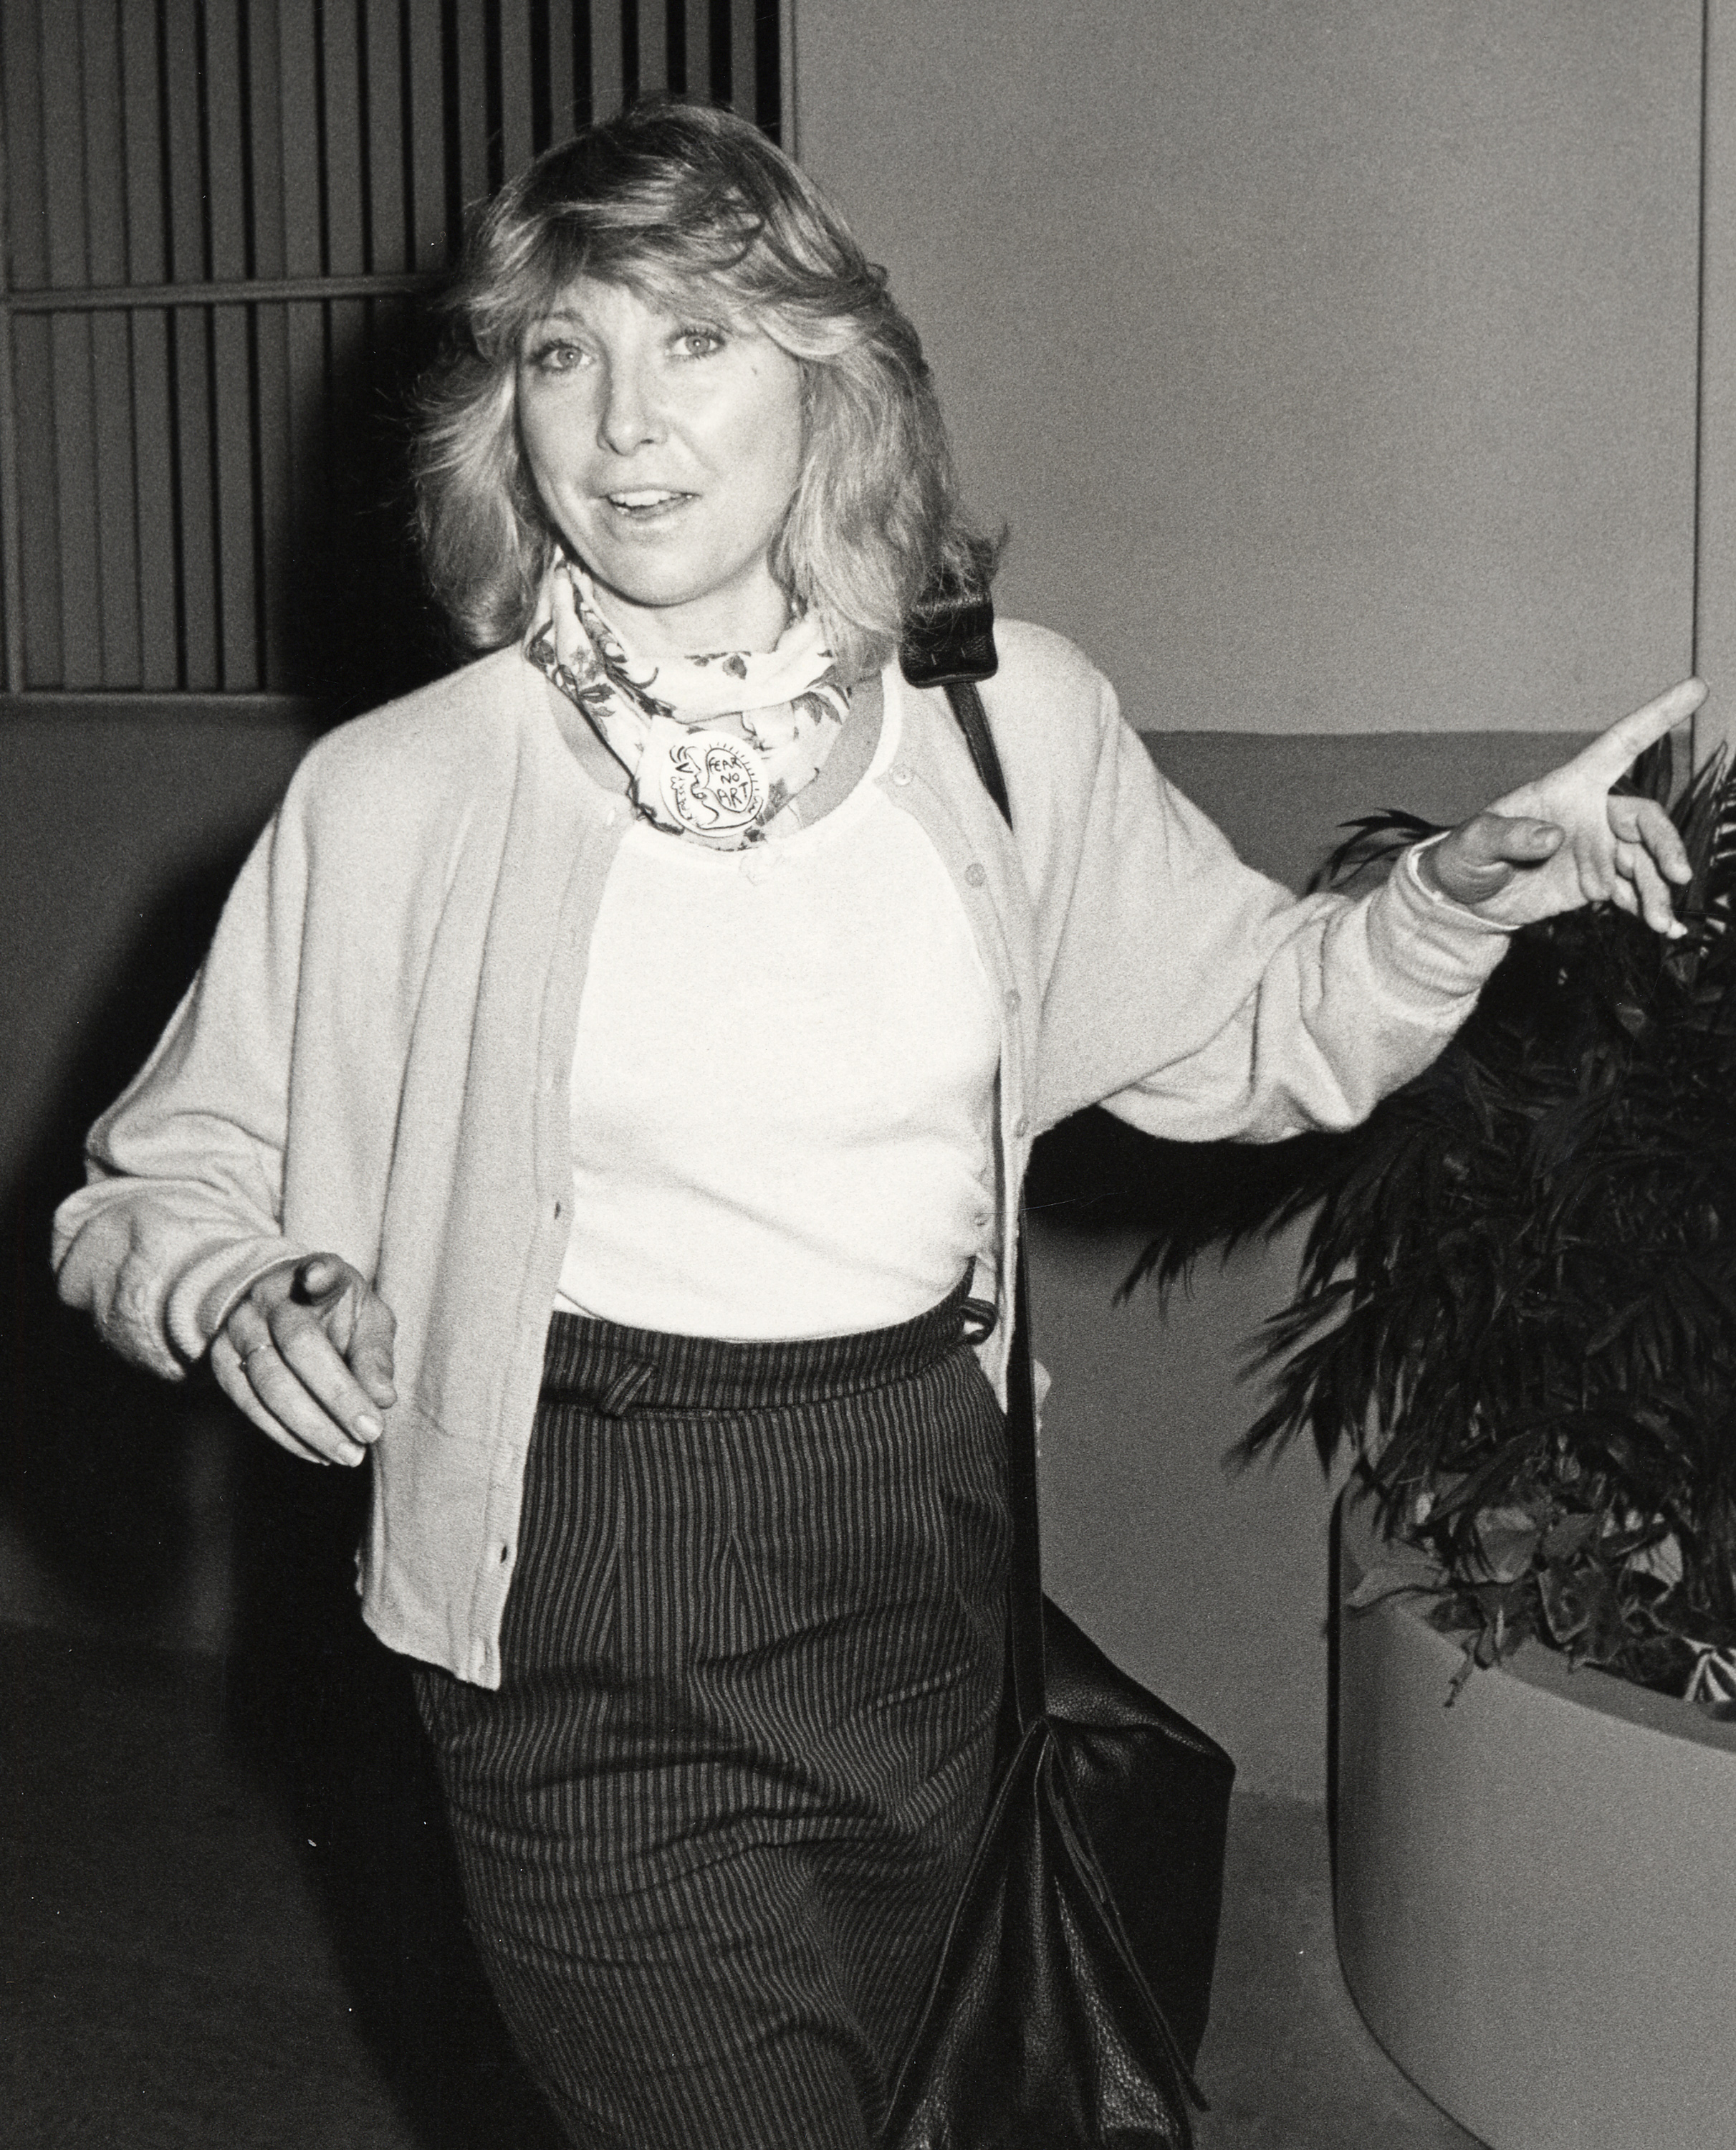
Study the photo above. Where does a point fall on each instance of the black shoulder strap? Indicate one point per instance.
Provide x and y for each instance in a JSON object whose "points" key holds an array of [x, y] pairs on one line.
{"points": [[973, 722], [1025, 1580], [949, 642]]}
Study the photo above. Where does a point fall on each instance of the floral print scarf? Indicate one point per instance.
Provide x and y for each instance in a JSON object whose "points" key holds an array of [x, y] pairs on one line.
{"points": [[715, 746]]}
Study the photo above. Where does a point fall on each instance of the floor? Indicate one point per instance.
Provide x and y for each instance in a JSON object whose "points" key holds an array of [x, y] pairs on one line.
{"points": [[229, 1921]]}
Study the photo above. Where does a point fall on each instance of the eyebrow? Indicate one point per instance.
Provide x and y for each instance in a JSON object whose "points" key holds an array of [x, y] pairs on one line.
{"points": [[718, 316]]}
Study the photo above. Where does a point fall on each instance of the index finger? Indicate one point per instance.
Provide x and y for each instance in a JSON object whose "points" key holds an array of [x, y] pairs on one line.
{"points": [[320, 1368], [1614, 752]]}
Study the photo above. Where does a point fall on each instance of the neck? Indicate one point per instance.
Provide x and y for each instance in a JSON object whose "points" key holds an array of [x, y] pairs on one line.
{"points": [[750, 621]]}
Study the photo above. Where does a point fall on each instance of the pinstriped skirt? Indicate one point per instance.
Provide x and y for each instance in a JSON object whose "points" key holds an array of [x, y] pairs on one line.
{"points": [[711, 1824]]}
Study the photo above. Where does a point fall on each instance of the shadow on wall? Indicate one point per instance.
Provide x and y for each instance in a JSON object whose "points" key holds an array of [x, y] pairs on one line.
{"points": [[349, 613], [351, 626], [153, 1511], [100, 1459], [137, 1508], [1097, 1176]]}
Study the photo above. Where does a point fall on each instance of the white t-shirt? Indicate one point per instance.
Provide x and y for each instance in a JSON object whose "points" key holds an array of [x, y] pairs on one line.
{"points": [[782, 1092]]}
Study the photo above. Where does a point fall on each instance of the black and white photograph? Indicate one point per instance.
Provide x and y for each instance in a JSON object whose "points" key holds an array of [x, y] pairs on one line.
{"points": [[869, 1074]]}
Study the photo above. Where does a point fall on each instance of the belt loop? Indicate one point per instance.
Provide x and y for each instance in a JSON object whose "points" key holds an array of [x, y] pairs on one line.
{"points": [[628, 1386]]}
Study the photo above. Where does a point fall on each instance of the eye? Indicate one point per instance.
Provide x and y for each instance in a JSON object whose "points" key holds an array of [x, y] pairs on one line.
{"points": [[555, 354], [697, 342]]}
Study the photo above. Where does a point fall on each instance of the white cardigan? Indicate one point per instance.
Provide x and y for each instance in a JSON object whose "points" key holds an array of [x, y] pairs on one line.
{"points": [[375, 1058]]}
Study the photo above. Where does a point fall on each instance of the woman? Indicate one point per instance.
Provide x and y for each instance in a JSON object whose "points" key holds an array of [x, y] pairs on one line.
{"points": [[607, 1095]]}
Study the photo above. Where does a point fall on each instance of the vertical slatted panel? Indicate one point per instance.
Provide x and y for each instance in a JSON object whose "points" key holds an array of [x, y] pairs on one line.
{"points": [[188, 261], [75, 471], [75, 456], [564, 77], [653, 24], [343, 504], [147, 244], [189, 350], [39, 558], [608, 58], [33, 561], [467, 59], [12, 598], [173, 464], [427, 137], [270, 338], [697, 73], [225, 115], [517, 122], [769, 17], [267, 95], [341, 59], [298, 77], [104, 143], [38, 561], [744, 57], [305, 341], [153, 463], [20, 85], [147, 263], [304, 323], [189, 361], [388, 229], [115, 594], [62, 93]]}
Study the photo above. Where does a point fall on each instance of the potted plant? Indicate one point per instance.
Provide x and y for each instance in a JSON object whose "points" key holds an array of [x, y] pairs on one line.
{"points": [[1517, 1313]]}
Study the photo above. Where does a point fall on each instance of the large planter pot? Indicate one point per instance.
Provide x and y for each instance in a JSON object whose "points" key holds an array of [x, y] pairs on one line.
{"points": [[1536, 1888]]}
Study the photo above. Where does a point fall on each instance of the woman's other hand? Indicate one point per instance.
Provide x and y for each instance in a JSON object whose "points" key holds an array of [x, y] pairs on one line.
{"points": [[307, 1355], [1563, 840]]}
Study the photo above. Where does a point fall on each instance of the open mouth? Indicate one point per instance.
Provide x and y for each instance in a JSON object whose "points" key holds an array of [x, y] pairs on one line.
{"points": [[642, 502]]}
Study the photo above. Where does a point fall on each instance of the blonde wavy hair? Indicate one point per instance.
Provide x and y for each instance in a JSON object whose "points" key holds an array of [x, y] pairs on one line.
{"points": [[668, 197]]}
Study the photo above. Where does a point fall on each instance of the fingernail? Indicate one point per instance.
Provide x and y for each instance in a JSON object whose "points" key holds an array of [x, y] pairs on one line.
{"points": [[368, 1427]]}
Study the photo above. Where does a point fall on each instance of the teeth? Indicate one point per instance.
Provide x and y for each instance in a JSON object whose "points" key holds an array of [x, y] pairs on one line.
{"points": [[645, 499]]}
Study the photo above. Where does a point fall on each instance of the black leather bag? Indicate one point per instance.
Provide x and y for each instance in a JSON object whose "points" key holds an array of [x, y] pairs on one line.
{"points": [[1074, 1981]]}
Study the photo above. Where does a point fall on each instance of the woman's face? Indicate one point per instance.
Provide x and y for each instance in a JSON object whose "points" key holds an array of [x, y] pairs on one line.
{"points": [[666, 448]]}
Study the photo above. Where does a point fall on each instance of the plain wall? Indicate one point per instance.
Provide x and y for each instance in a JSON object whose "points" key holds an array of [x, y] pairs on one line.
{"points": [[1335, 367], [1334, 364]]}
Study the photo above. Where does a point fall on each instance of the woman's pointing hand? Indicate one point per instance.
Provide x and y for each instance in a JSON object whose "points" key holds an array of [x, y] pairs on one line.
{"points": [[306, 1354], [1563, 840]]}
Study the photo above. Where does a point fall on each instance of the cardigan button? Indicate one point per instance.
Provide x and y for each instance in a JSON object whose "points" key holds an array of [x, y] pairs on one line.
{"points": [[1021, 1127], [975, 875], [1012, 1001], [901, 773]]}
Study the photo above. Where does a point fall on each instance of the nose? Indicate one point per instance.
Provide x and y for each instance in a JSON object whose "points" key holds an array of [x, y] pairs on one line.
{"points": [[632, 412]]}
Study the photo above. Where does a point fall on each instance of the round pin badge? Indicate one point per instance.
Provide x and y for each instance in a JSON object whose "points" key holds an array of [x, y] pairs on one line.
{"points": [[710, 784]]}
